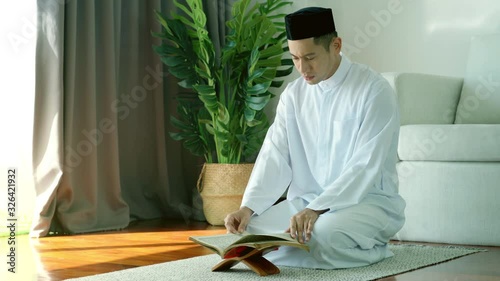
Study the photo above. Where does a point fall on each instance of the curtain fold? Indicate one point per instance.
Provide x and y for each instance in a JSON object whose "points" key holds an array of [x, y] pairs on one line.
{"points": [[48, 117], [101, 151]]}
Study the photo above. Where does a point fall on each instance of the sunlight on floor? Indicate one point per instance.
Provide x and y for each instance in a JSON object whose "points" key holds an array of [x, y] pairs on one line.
{"points": [[27, 264], [121, 246]]}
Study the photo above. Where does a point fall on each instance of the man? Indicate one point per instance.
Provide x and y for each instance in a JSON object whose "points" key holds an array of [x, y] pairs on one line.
{"points": [[333, 145]]}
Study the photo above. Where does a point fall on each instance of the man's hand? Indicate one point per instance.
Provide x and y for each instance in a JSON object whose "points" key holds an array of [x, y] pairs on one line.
{"points": [[302, 223], [237, 222]]}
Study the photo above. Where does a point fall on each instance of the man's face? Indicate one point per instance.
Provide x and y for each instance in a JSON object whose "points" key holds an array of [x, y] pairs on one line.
{"points": [[313, 61]]}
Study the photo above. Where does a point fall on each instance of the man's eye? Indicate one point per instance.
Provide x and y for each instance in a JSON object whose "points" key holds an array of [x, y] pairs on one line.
{"points": [[310, 58]]}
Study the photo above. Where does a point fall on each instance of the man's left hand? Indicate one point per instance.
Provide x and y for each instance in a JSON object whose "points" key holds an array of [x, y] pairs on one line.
{"points": [[302, 223]]}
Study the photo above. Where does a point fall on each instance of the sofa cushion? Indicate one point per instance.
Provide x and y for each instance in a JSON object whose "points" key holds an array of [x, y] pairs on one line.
{"points": [[450, 202], [464, 142], [480, 98], [426, 98]]}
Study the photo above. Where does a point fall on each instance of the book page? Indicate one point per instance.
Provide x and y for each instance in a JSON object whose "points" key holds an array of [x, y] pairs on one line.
{"points": [[248, 237], [264, 241], [223, 243], [220, 242]]}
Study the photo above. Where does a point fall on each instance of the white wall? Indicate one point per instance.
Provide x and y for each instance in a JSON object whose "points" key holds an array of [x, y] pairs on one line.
{"points": [[424, 36], [428, 36]]}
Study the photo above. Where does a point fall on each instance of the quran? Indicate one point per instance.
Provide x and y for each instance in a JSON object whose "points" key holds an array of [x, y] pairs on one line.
{"points": [[247, 248]]}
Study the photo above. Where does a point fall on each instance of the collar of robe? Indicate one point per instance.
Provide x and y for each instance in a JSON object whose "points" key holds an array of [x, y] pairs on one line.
{"points": [[338, 77]]}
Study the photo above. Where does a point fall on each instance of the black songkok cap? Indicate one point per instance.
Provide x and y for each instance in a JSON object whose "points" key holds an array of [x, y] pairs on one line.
{"points": [[309, 22]]}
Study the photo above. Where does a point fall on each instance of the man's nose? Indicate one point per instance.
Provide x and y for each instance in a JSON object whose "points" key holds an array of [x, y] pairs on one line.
{"points": [[303, 66]]}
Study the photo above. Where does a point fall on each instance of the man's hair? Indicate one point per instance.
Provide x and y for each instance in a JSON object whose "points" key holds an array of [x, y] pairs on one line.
{"points": [[325, 40]]}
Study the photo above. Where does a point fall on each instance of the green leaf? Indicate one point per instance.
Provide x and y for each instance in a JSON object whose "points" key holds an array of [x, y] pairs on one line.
{"points": [[176, 136], [242, 138], [284, 72], [204, 89], [223, 117], [174, 60], [179, 124], [274, 50], [253, 123], [165, 49], [210, 128], [278, 6], [161, 19], [158, 35], [187, 84], [252, 62], [183, 8], [258, 88], [270, 62], [257, 103], [277, 83], [249, 114], [256, 74]]}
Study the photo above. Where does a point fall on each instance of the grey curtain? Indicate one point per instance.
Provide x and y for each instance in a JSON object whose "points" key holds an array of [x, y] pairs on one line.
{"points": [[101, 151]]}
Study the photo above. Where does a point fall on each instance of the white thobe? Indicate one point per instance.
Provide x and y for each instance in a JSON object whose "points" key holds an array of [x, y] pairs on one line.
{"points": [[333, 145]]}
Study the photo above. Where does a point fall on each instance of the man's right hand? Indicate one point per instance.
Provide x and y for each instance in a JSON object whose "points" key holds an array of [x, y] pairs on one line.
{"points": [[236, 222]]}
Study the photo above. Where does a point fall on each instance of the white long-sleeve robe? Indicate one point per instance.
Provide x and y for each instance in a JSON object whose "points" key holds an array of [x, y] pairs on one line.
{"points": [[333, 145]]}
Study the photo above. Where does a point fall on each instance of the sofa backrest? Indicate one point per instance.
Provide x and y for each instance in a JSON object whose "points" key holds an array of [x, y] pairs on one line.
{"points": [[425, 98], [480, 98]]}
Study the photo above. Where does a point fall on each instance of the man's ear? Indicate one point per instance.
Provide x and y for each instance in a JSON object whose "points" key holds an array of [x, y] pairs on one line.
{"points": [[336, 45]]}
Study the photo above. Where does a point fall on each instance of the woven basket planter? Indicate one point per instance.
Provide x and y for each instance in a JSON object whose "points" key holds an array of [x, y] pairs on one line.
{"points": [[221, 187]]}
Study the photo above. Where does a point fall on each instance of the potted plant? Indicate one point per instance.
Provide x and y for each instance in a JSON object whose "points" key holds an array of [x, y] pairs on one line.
{"points": [[221, 115]]}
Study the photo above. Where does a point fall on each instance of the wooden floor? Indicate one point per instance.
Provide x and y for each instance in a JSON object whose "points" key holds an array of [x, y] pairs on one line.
{"points": [[150, 242]]}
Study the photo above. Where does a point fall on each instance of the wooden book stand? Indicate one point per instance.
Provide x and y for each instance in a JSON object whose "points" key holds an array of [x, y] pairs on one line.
{"points": [[253, 258]]}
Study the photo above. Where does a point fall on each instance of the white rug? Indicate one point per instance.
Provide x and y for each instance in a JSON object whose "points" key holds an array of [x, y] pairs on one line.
{"points": [[406, 258]]}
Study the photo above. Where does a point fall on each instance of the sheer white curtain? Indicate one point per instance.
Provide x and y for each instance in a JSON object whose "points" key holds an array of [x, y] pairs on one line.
{"points": [[17, 56]]}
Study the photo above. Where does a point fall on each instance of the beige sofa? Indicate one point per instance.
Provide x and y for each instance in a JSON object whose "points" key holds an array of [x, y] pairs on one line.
{"points": [[449, 150]]}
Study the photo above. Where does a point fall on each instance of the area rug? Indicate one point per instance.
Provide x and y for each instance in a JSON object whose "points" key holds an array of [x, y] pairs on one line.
{"points": [[406, 258]]}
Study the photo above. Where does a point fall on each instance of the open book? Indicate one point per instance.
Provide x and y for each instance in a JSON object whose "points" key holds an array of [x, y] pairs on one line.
{"points": [[247, 248], [235, 245]]}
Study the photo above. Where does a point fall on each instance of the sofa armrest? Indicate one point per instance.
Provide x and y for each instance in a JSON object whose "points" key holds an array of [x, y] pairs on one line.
{"points": [[426, 98]]}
